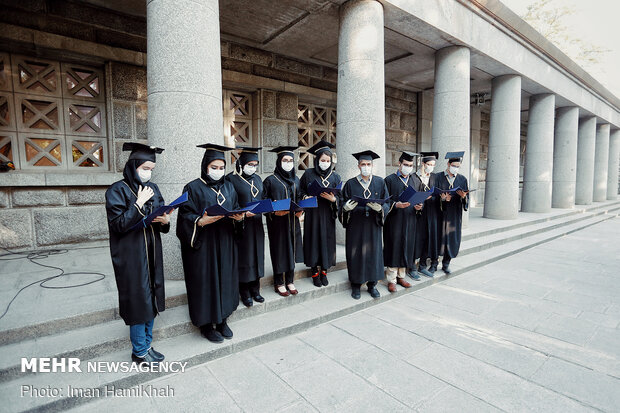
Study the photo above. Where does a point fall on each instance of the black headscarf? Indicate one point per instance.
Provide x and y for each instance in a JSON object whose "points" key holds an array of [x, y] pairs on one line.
{"points": [[288, 177], [210, 156], [320, 153], [245, 158], [130, 175]]}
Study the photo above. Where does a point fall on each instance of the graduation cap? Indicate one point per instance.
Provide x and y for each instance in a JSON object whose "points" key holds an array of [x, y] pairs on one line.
{"points": [[455, 156], [321, 146], [288, 150], [407, 156], [141, 151], [248, 154], [213, 151], [429, 156], [366, 156]]}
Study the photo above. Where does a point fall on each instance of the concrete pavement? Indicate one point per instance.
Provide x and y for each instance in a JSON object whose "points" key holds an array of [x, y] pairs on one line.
{"points": [[537, 331]]}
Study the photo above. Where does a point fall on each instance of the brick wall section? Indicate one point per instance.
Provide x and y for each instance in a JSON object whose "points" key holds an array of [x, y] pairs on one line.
{"points": [[401, 123]]}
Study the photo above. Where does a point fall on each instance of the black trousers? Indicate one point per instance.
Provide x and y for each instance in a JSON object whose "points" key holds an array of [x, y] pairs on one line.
{"points": [[434, 261], [251, 289], [284, 277], [357, 286]]}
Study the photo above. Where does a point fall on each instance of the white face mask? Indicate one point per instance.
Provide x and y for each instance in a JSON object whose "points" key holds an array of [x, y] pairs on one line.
{"points": [[216, 174], [406, 170], [324, 165], [287, 166], [366, 170], [144, 175], [429, 168], [249, 169], [454, 170]]}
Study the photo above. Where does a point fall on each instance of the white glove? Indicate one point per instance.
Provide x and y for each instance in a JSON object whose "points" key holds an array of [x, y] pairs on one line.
{"points": [[374, 206], [350, 205], [144, 194]]}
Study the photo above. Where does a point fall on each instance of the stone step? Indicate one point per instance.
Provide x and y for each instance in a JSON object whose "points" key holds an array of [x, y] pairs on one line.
{"points": [[261, 327]]}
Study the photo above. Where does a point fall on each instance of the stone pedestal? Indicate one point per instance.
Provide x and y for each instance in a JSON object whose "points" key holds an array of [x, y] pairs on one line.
{"points": [[184, 98], [601, 162], [501, 198], [612, 170], [538, 169], [585, 161], [565, 157], [451, 108]]}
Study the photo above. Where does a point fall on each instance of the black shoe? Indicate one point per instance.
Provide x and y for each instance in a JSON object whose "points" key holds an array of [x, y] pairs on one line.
{"points": [[259, 298], [425, 272], [324, 280], [156, 354], [146, 360], [413, 274], [374, 293], [247, 301], [224, 330], [316, 280], [211, 334], [355, 293], [446, 269], [433, 268]]}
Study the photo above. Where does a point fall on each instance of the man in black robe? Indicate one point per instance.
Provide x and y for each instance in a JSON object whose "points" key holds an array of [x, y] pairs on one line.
{"points": [[283, 227], [363, 224], [452, 207], [136, 250], [399, 231], [320, 223], [208, 247], [251, 243], [427, 237]]}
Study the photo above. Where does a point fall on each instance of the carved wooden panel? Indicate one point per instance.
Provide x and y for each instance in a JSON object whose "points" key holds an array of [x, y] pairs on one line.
{"points": [[87, 152], [36, 76], [82, 82], [41, 151], [39, 114], [84, 118], [313, 124]]}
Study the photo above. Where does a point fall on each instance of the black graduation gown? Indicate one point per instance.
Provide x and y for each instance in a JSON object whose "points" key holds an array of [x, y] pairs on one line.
{"points": [[452, 215], [363, 231], [428, 230], [251, 243], [320, 223], [209, 254], [399, 230], [136, 254], [285, 240]]}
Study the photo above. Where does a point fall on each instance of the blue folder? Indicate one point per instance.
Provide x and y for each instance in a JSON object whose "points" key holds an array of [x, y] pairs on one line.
{"points": [[217, 210], [439, 191], [304, 204], [261, 207], [316, 189], [415, 197], [363, 201], [148, 220]]}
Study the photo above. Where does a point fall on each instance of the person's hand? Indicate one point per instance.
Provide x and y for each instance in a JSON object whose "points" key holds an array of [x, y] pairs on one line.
{"points": [[328, 196], [249, 214], [350, 205], [208, 219], [419, 207], [374, 206], [461, 193], [281, 213], [307, 196], [402, 204], [144, 194], [298, 214], [237, 217], [163, 219]]}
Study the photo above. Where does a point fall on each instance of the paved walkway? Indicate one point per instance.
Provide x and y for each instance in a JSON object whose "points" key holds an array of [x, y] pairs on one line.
{"points": [[538, 331]]}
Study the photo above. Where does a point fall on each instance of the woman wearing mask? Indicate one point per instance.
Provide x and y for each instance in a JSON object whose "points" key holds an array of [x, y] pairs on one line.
{"points": [[208, 247], [283, 228], [136, 250], [320, 223], [251, 250]]}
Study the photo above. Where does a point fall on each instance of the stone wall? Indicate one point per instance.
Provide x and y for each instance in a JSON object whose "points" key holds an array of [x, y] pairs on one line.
{"points": [[400, 125]]}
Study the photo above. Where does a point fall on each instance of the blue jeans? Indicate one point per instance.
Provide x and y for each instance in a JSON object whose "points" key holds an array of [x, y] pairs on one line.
{"points": [[141, 336]]}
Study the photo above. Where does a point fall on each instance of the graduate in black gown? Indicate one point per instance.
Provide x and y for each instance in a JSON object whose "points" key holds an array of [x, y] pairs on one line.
{"points": [[320, 223], [399, 230], [452, 207], [251, 244], [363, 224], [136, 252], [427, 233], [208, 247], [283, 227]]}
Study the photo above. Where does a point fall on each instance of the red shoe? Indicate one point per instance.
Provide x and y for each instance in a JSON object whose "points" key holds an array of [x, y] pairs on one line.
{"points": [[292, 290], [283, 294]]}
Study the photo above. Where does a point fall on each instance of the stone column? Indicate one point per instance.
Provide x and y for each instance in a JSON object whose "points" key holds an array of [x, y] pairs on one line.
{"points": [[538, 169], [585, 161], [474, 147], [601, 162], [501, 198], [361, 85], [451, 108], [425, 120], [612, 170], [184, 97], [565, 157]]}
